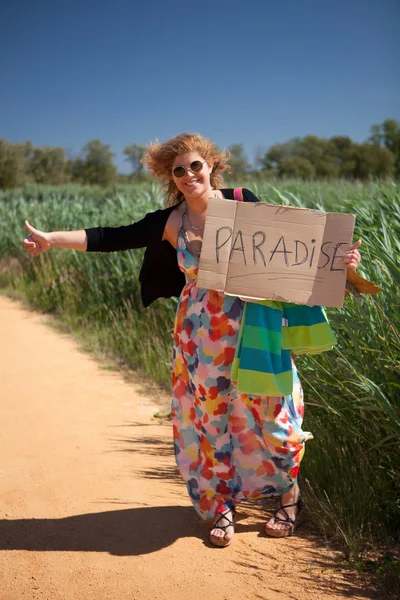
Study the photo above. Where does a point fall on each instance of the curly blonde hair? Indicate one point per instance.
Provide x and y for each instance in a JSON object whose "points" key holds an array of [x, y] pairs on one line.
{"points": [[159, 159]]}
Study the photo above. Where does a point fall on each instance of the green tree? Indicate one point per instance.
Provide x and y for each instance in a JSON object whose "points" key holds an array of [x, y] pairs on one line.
{"points": [[373, 161], [339, 156], [376, 136], [340, 143], [95, 165], [238, 161], [12, 165], [320, 152], [327, 167], [47, 165], [313, 148], [75, 169], [134, 154], [296, 166], [387, 134], [278, 153], [273, 157]]}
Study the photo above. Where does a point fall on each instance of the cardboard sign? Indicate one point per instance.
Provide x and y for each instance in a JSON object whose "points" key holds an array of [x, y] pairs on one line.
{"points": [[267, 251]]}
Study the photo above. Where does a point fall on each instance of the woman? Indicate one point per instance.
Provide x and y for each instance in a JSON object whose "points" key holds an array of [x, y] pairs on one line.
{"points": [[228, 445]]}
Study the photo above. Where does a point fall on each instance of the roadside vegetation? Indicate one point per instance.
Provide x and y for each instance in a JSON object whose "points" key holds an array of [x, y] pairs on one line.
{"points": [[309, 158], [351, 470]]}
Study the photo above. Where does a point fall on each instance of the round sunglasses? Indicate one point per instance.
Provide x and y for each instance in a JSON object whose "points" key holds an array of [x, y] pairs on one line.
{"points": [[196, 166]]}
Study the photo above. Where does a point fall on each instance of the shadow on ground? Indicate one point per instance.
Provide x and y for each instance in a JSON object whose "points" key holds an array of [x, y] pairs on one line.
{"points": [[143, 530], [127, 532], [146, 529]]}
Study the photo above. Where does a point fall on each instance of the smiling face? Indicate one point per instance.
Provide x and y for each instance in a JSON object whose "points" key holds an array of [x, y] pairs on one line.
{"points": [[192, 185]]}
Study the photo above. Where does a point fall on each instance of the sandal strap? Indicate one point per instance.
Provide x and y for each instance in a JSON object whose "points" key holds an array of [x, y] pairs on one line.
{"points": [[282, 508], [223, 515], [287, 518]]}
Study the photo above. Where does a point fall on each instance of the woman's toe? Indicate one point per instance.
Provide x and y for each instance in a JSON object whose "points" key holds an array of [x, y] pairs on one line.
{"points": [[276, 525], [214, 533], [272, 524]]}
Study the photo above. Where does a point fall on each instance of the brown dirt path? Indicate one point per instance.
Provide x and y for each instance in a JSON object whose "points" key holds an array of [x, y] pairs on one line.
{"points": [[92, 507]]}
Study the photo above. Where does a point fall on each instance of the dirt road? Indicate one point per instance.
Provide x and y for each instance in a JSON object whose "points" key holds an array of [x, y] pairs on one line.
{"points": [[93, 508]]}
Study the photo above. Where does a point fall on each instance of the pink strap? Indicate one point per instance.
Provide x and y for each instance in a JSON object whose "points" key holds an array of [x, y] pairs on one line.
{"points": [[238, 194]]}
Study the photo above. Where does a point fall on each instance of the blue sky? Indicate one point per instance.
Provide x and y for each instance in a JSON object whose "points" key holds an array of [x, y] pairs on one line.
{"points": [[256, 72]]}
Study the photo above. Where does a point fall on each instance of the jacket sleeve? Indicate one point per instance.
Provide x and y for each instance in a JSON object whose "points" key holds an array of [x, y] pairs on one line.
{"points": [[127, 237], [249, 196]]}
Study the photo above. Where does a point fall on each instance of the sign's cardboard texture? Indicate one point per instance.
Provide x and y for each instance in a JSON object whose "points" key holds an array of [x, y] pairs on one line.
{"points": [[267, 251]]}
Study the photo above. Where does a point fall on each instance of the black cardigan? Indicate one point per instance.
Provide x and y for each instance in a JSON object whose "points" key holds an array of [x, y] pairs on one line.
{"points": [[160, 276]]}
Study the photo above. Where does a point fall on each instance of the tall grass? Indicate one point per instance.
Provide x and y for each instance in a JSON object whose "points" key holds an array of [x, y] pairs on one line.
{"points": [[350, 473], [100, 295]]}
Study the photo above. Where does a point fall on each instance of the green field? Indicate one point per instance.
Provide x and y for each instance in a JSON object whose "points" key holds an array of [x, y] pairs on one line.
{"points": [[351, 470]]}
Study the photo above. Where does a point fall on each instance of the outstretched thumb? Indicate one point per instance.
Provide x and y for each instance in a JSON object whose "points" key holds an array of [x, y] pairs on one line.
{"points": [[356, 245], [30, 228]]}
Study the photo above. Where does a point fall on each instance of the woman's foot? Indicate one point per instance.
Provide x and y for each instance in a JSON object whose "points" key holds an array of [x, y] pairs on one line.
{"points": [[222, 531], [283, 523]]}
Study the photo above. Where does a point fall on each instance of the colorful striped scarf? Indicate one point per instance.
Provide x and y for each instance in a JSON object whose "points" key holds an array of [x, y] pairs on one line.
{"points": [[270, 331]]}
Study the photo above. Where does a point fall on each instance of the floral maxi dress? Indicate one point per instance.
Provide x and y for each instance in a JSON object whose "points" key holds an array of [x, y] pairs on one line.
{"points": [[228, 446]]}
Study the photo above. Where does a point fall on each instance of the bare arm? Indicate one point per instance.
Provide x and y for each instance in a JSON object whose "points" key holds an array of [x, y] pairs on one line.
{"points": [[38, 241], [74, 240]]}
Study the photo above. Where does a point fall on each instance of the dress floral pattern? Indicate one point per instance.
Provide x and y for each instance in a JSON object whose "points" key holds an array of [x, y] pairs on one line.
{"points": [[228, 446]]}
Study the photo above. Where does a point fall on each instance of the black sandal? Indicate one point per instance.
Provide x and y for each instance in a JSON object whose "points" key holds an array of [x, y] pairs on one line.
{"points": [[278, 533], [222, 541]]}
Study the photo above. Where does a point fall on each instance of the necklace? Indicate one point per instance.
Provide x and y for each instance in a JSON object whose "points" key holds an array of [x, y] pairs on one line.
{"points": [[188, 243], [190, 222]]}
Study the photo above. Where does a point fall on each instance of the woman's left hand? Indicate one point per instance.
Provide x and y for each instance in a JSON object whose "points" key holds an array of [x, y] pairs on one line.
{"points": [[352, 257]]}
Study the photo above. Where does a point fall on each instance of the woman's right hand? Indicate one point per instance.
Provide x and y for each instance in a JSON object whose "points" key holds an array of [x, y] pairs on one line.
{"points": [[37, 241]]}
